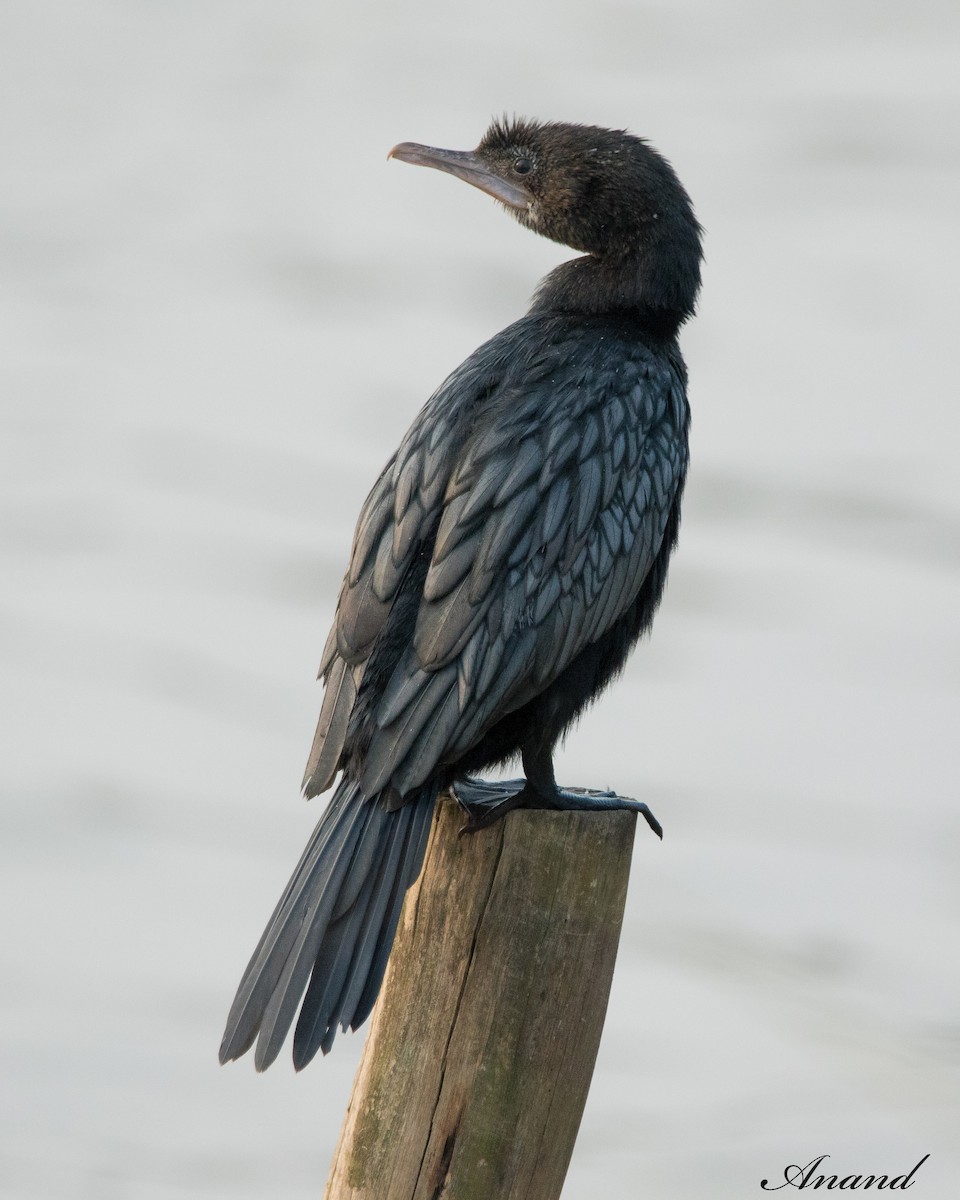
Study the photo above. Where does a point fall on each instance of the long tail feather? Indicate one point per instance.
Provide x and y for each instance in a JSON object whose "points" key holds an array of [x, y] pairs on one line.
{"points": [[334, 926]]}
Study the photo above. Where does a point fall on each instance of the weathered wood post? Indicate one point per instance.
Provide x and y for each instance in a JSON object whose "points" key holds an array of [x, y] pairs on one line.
{"points": [[483, 1042]]}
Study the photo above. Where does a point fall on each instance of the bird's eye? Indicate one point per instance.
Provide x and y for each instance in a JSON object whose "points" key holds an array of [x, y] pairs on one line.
{"points": [[523, 166]]}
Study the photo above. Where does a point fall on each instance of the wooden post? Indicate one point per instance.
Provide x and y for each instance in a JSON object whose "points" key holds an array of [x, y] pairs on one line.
{"points": [[483, 1042]]}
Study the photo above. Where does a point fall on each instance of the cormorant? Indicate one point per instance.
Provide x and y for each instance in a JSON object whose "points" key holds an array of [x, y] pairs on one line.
{"points": [[509, 556]]}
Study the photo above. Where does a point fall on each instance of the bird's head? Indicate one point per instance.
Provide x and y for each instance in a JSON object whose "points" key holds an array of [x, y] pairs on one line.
{"points": [[600, 191]]}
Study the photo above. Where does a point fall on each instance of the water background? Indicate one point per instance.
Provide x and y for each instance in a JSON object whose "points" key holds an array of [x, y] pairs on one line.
{"points": [[221, 307]]}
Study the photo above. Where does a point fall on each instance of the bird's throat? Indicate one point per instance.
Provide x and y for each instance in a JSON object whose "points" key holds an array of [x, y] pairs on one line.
{"points": [[634, 286]]}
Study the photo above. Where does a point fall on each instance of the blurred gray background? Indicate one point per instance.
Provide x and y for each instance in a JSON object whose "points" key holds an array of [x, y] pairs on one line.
{"points": [[221, 307]]}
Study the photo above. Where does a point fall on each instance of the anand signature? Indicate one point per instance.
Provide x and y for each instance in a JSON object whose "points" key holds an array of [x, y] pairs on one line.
{"points": [[802, 1177]]}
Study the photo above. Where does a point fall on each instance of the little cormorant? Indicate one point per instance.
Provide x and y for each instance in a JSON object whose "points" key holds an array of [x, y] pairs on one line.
{"points": [[506, 561]]}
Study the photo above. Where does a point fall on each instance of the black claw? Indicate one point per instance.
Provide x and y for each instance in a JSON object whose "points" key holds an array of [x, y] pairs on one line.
{"points": [[475, 824]]}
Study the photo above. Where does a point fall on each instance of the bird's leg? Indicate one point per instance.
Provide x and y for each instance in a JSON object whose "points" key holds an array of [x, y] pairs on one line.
{"points": [[486, 803], [538, 766]]}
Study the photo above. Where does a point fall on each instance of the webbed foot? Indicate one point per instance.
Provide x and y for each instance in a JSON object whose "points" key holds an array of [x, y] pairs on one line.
{"points": [[486, 803]]}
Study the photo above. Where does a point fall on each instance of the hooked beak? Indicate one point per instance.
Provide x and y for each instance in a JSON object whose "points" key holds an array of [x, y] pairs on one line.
{"points": [[466, 166]]}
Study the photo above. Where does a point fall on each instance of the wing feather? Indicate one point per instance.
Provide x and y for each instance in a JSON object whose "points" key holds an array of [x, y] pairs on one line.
{"points": [[338, 700], [535, 519]]}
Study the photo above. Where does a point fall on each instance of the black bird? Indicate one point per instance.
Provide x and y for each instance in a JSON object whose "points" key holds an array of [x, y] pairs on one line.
{"points": [[506, 561]]}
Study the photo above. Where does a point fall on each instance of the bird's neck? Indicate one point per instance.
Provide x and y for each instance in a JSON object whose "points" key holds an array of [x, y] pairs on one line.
{"points": [[658, 290]]}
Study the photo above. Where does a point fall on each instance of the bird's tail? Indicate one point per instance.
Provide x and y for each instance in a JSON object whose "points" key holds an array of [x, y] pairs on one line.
{"points": [[334, 926]]}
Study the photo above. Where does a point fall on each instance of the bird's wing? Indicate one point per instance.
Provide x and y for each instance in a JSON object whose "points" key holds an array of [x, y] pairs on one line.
{"points": [[551, 520], [401, 511]]}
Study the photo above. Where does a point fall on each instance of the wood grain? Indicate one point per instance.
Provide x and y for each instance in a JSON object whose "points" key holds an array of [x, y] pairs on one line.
{"points": [[482, 1045]]}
